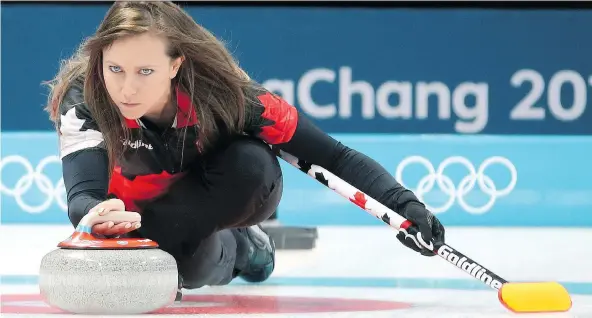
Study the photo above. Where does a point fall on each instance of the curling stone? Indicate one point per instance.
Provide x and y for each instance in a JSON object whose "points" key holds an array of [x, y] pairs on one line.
{"points": [[115, 276]]}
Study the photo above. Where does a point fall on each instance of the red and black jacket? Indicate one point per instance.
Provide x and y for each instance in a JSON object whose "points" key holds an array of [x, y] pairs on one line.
{"points": [[152, 160]]}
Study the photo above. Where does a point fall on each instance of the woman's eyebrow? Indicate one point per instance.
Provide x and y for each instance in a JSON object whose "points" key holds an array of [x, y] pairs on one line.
{"points": [[141, 66]]}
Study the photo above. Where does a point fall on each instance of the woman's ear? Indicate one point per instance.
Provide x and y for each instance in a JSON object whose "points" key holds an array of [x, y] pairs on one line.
{"points": [[176, 65]]}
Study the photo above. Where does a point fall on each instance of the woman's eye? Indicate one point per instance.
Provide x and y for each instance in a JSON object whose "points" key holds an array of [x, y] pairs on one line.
{"points": [[146, 71], [115, 69]]}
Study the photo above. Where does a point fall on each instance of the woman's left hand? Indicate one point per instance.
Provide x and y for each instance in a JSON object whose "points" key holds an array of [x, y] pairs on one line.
{"points": [[424, 222]]}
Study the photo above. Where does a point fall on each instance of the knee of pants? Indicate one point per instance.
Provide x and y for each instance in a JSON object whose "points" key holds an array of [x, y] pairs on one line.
{"points": [[255, 167], [252, 163]]}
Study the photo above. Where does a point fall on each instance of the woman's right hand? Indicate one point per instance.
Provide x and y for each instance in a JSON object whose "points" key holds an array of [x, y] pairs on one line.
{"points": [[111, 228]]}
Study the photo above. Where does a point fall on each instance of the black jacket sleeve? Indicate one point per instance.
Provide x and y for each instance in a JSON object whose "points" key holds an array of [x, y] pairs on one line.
{"points": [[84, 157], [276, 122], [86, 179]]}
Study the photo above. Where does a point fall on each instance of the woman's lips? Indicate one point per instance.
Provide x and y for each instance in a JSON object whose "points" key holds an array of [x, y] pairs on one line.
{"points": [[130, 104]]}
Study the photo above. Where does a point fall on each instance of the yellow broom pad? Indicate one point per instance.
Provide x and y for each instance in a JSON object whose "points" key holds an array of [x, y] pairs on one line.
{"points": [[535, 297]]}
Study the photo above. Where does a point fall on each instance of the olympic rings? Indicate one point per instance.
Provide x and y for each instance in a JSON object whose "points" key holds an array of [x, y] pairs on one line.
{"points": [[475, 176], [34, 176]]}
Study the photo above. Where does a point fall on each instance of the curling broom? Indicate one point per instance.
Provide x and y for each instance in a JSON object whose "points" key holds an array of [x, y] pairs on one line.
{"points": [[519, 297]]}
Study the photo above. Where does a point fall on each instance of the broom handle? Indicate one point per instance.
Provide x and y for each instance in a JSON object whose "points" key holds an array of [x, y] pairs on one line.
{"points": [[393, 219]]}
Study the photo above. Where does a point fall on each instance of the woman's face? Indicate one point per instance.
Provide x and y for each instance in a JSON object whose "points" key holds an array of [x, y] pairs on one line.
{"points": [[138, 73]]}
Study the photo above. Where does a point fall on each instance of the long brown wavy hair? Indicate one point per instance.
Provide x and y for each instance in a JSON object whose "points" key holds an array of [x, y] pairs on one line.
{"points": [[209, 74]]}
